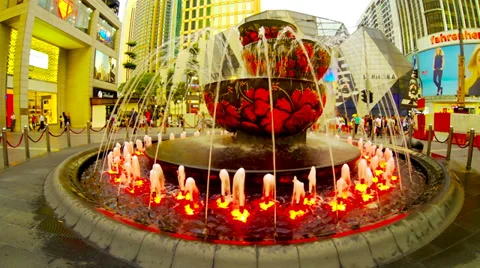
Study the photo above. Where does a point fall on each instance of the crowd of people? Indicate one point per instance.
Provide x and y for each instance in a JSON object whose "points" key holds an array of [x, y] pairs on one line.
{"points": [[371, 125]]}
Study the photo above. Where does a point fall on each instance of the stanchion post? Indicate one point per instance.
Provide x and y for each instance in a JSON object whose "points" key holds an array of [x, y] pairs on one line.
{"points": [[449, 144], [5, 147], [47, 132], [430, 134], [69, 141], [470, 148], [410, 134], [89, 139], [25, 139]]}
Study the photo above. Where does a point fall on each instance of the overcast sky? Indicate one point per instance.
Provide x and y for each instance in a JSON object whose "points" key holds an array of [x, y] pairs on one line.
{"points": [[346, 11]]}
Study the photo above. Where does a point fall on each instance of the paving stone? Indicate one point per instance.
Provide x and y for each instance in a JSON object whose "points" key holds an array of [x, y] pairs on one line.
{"points": [[18, 258], [235, 256], [460, 255], [20, 218], [193, 254], [126, 243], [19, 237], [278, 256], [354, 251], [157, 251]]}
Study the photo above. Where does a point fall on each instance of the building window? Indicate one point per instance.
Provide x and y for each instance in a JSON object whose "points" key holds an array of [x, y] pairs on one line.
{"points": [[209, 11], [44, 103], [194, 13], [201, 12], [193, 25], [185, 26], [187, 15], [194, 3], [200, 24], [187, 4], [201, 2]]}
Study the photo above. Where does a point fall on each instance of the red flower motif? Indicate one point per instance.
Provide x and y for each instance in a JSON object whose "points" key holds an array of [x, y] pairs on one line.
{"points": [[227, 115], [304, 112], [258, 105]]}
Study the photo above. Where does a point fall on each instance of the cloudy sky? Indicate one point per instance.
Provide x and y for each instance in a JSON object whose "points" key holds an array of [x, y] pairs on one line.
{"points": [[346, 11]]}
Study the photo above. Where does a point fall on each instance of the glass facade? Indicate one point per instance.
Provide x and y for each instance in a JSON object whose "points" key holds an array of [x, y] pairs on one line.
{"points": [[46, 71], [74, 12], [424, 17], [44, 103], [106, 33], [221, 15]]}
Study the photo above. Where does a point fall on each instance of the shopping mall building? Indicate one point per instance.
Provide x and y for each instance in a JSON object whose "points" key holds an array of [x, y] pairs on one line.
{"points": [[58, 56]]}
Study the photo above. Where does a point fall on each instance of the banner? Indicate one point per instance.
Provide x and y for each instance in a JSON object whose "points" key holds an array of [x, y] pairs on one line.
{"points": [[439, 70]]}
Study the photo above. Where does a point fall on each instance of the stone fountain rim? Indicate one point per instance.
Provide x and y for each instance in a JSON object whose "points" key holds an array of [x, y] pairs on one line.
{"points": [[377, 246]]}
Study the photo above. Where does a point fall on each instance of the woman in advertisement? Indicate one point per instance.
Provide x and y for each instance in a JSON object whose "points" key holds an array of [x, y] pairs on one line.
{"points": [[472, 83], [438, 63]]}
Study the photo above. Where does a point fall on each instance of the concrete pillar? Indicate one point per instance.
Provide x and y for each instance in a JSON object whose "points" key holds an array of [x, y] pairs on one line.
{"points": [[4, 46], [62, 81], [79, 85], [21, 69]]}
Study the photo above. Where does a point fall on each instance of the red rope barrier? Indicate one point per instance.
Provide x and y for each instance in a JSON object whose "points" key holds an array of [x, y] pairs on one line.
{"points": [[99, 129], [35, 141], [80, 132], [435, 136], [56, 136], [456, 142], [19, 142]]}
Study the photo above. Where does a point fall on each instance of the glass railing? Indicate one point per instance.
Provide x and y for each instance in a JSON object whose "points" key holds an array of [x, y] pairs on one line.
{"points": [[74, 12]]}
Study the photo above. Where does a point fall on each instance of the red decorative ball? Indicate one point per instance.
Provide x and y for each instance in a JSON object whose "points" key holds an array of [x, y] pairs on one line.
{"points": [[244, 104]]}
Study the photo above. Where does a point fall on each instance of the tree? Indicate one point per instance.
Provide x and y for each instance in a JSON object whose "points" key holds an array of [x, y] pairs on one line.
{"points": [[129, 65], [141, 85]]}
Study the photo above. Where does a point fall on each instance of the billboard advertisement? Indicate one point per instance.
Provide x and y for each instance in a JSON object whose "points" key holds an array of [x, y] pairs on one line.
{"points": [[438, 70], [105, 67]]}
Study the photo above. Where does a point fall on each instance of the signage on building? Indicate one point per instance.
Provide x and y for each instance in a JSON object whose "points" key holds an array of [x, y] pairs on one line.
{"points": [[65, 8], [38, 59], [471, 35], [103, 93]]}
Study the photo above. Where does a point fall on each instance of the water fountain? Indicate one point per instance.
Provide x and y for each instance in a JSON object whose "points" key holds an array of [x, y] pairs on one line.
{"points": [[285, 200]]}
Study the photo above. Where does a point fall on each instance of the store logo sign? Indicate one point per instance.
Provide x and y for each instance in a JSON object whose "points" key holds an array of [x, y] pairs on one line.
{"points": [[65, 8]]}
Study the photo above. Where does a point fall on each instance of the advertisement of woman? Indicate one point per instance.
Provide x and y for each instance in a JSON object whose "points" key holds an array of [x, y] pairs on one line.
{"points": [[472, 82], [438, 63]]}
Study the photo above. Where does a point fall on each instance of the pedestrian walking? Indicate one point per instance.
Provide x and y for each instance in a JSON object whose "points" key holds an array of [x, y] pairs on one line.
{"points": [[12, 122]]}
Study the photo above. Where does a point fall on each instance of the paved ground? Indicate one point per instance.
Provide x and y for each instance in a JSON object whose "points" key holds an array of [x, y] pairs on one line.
{"points": [[30, 236]]}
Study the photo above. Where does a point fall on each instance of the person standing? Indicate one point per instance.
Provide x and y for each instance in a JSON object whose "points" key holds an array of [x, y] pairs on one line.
{"points": [[133, 120], [12, 122], [42, 122], [65, 120], [438, 63], [61, 121], [357, 123], [34, 122]]}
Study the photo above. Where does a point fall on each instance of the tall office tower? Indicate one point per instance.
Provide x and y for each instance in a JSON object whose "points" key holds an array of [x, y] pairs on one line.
{"points": [[425, 17], [154, 23], [383, 15], [218, 14]]}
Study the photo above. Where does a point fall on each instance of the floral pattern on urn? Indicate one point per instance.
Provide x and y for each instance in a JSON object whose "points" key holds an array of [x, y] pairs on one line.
{"points": [[287, 58], [244, 104], [249, 31]]}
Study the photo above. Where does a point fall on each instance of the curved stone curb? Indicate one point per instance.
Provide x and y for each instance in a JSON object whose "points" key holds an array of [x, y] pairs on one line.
{"points": [[362, 249]]}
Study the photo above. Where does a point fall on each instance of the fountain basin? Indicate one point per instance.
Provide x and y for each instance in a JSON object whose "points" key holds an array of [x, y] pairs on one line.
{"points": [[377, 243], [232, 152], [244, 104]]}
